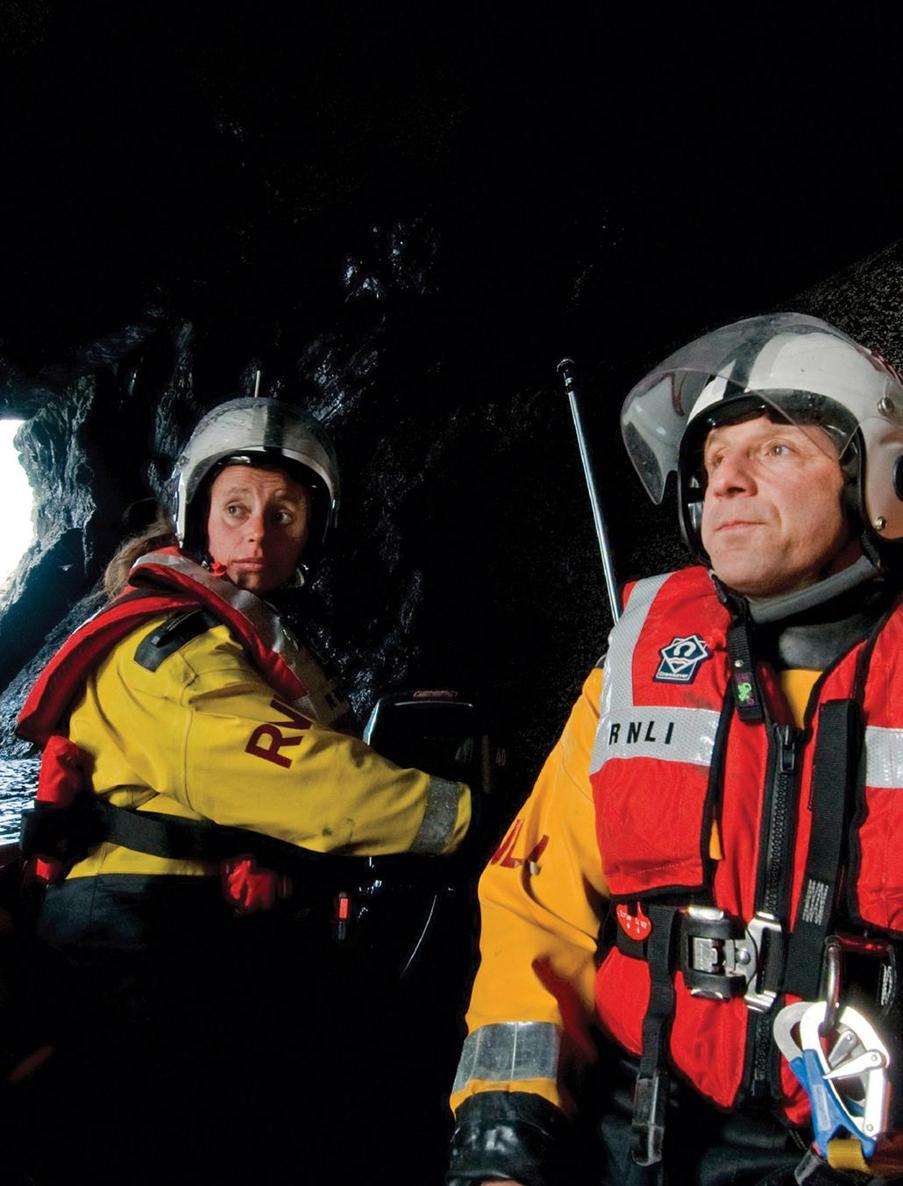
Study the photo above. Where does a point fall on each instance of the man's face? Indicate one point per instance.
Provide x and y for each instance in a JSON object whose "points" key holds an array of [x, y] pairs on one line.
{"points": [[772, 520], [257, 526]]}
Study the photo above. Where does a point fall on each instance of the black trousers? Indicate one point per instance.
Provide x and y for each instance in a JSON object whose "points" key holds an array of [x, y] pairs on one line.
{"points": [[703, 1146], [198, 1050]]}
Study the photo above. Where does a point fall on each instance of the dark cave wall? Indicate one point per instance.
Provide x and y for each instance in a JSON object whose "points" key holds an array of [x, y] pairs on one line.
{"points": [[405, 220], [465, 555], [415, 587]]}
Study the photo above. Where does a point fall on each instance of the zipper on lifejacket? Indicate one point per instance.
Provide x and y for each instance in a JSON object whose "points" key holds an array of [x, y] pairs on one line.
{"points": [[775, 871], [780, 812]]}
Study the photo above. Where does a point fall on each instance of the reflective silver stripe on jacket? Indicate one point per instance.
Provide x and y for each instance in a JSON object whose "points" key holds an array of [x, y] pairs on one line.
{"points": [[883, 757], [645, 731], [439, 819], [667, 734], [617, 677], [509, 1052], [321, 703]]}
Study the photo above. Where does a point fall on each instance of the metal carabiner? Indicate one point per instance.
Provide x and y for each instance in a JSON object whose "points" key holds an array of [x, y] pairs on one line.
{"points": [[865, 1117], [832, 965]]}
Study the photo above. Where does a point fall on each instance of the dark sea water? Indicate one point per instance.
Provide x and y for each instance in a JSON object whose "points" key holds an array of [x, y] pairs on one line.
{"points": [[18, 780]]}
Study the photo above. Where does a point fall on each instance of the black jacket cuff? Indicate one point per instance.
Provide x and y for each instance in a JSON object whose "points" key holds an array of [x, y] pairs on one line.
{"points": [[511, 1134]]}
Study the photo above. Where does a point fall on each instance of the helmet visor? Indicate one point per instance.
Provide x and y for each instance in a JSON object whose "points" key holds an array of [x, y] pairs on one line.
{"points": [[806, 370]]}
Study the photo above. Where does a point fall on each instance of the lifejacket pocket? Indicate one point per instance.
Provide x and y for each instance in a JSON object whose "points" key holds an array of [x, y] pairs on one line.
{"points": [[708, 1037], [622, 998], [650, 841]]}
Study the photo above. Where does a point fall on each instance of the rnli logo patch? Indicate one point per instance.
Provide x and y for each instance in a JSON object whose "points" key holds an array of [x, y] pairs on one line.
{"points": [[681, 659]]}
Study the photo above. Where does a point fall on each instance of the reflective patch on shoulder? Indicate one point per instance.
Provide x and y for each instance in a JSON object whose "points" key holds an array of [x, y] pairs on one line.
{"points": [[172, 636], [668, 734], [622, 642], [883, 757], [509, 1052], [439, 818]]}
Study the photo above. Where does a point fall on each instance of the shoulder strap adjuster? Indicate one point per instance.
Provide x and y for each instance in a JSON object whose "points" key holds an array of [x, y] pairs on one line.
{"points": [[172, 636]]}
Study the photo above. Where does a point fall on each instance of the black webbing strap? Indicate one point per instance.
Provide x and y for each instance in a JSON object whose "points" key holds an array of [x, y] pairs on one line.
{"points": [[185, 839], [837, 750], [635, 949], [744, 683], [651, 1097], [70, 833], [66, 834], [178, 839]]}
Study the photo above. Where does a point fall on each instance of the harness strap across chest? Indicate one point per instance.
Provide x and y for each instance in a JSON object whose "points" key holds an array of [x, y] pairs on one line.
{"points": [[797, 809]]}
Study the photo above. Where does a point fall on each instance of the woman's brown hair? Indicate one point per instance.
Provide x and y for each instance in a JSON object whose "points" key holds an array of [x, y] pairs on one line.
{"points": [[159, 534]]}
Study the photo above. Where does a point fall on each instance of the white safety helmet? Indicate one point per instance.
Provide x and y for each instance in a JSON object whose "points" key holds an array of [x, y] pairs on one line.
{"points": [[796, 367], [258, 432]]}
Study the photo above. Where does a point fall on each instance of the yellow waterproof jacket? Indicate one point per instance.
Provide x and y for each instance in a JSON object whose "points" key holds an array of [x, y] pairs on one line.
{"points": [[205, 737], [542, 900]]}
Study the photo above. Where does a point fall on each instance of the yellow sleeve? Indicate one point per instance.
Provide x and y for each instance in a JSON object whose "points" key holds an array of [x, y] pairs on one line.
{"points": [[541, 899], [205, 736]]}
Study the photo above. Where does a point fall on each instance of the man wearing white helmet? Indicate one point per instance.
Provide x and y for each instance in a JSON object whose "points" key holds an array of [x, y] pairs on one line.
{"points": [[724, 801], [193, 771]]}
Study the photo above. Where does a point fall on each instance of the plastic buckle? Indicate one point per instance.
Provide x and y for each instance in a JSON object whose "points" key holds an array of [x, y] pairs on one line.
{"points": [[648, 1122]]}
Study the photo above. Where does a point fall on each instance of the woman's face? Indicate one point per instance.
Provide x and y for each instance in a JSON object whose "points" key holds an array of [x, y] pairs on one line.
{"points": [[257, 527]]}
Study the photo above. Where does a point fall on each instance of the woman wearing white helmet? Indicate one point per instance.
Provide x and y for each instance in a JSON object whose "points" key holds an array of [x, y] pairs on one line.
{"points": [[191, 773]]}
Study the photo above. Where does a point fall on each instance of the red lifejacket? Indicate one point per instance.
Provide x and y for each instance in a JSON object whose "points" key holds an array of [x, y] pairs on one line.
{"points": [[671, 755], [162, 582]]}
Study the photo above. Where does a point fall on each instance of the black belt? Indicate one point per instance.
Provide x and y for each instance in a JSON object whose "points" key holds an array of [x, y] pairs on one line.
{"points": [[70, 833]]}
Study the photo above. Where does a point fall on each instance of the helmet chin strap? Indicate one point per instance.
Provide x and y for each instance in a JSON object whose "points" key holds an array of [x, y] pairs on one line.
{"points": [[775, 609]]}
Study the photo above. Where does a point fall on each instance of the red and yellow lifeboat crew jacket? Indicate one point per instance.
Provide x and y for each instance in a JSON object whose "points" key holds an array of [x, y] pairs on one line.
{"points": [[677, 807], [233, 727]]}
